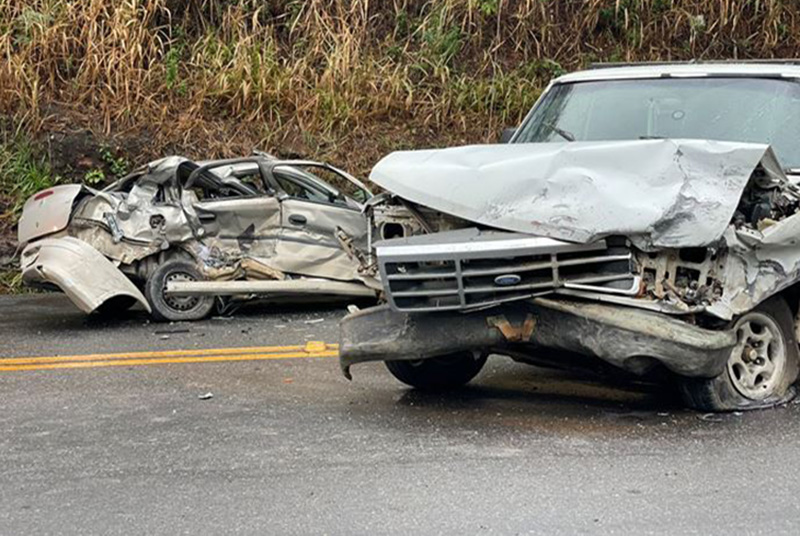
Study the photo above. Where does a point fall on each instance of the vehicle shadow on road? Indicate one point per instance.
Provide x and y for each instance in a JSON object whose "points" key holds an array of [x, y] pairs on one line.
{"points": [[524, 386], [53, 313]]}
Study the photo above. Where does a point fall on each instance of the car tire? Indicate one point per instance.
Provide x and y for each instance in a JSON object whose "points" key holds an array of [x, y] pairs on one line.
{"points": [[438, 373], [173, 308], [761, 369]]}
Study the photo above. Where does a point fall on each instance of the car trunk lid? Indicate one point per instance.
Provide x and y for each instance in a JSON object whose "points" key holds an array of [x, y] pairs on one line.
{"points": [[47, 212]]}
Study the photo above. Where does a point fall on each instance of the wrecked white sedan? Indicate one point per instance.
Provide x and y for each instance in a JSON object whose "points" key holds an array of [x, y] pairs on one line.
{"points": [[178, 236], [644, 217]]}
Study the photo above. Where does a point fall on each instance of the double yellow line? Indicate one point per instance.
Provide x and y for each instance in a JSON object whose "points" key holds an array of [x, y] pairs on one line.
{"points": [[311, 349]]}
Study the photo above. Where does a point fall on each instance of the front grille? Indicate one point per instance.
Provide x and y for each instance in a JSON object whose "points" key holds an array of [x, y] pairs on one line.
{"points": [[470, 269]]}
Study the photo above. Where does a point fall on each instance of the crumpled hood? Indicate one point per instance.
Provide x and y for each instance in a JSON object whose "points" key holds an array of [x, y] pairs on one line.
{"points": [[659, 193]]}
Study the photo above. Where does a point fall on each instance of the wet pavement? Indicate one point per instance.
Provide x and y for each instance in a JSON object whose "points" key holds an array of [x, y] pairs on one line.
{"points": [[286, 445]]}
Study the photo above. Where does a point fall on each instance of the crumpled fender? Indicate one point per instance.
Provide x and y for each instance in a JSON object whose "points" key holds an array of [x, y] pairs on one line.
{"points": [[84, 274]]}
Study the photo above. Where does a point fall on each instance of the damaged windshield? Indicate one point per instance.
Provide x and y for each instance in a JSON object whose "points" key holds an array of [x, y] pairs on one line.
{"points": [[758, 110]]}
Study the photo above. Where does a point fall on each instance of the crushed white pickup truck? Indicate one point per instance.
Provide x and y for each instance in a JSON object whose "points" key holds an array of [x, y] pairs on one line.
{"points": [[644, 217]]}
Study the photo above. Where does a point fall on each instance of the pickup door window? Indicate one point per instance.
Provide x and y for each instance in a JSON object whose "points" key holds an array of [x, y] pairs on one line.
{"points": [[310, 213]]}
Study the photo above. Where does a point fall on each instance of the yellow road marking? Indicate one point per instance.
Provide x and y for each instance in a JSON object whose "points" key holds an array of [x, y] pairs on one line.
{"points": [[312, 349], [311, 346]]}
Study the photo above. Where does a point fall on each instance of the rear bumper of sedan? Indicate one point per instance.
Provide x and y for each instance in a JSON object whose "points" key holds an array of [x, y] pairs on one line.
{"points": [[84, 274]]}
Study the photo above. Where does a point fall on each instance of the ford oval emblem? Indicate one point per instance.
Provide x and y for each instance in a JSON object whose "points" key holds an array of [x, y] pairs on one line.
{"points": [[507, 280]]}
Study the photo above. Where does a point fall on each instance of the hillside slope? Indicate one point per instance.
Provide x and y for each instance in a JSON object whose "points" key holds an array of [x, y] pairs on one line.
{"points": [[88, 89]]}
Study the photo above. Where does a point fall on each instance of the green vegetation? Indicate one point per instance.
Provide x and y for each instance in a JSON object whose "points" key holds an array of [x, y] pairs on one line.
{"points": [[94, 177], [117, 165], [22, 173], [11, 281]]}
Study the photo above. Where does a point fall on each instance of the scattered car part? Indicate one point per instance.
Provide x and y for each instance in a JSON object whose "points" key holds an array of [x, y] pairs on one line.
{"points": [[186, 287]]}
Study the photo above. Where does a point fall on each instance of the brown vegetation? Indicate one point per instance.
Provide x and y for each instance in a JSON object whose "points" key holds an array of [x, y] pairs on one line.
{"points": [[342, 80]]}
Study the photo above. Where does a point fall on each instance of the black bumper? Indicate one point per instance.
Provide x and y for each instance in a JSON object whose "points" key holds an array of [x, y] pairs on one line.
{"points": [[626, 337]]}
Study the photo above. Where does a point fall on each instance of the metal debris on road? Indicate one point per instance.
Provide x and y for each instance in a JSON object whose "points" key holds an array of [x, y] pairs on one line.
{"points": [[206, 396], [172, 331]]}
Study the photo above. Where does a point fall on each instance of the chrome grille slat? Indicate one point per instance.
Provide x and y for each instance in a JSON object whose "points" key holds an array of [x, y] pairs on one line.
{"points": [[595, 260], [597, 279], [411, 293], [462, 274], [413, 277], [530, 267], [484, 290]]}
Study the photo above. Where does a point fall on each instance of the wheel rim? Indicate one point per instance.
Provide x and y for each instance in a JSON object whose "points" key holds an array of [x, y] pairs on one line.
{"points": [[758, 360], [179, 303]]}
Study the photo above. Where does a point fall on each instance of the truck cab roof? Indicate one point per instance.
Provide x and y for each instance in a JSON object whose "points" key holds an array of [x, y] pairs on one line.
{"points": [[622, 71]]}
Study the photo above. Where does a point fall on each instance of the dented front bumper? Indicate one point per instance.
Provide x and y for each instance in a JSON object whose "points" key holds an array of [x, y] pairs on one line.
{"points": [[87, 277], [625, 337]]}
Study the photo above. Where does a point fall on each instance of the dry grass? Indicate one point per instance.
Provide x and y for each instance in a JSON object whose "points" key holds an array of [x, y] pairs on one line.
{"points": [[336, 79], [330, 79]]}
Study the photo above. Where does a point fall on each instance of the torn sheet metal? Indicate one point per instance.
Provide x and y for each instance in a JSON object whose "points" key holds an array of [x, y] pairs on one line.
{"points": [[758, 265], [250, 219], [658, 193]]}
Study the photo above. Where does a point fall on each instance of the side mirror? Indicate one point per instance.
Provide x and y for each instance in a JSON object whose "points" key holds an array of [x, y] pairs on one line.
{"points": [[507, 134]]}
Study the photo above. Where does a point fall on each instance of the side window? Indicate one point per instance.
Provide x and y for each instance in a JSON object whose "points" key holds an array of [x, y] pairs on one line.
{"points": [[161, 195], [296, 187], [207, 186], [199, 193], [254, 182], [338, 183], [318, 183], [242, 177]]}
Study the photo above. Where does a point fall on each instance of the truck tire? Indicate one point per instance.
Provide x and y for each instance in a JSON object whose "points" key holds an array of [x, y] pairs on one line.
{"points": [[761, 369], [438, 373], [176, 308]]}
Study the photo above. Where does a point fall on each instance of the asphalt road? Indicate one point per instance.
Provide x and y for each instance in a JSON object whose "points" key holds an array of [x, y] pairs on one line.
{"points": [[123, 442]]}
